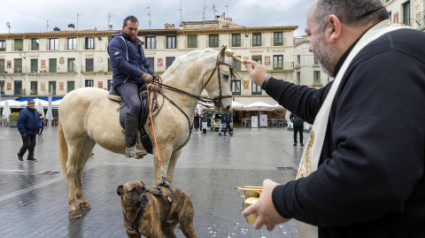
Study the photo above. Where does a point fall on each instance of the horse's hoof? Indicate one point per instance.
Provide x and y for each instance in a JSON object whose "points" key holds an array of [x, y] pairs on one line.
{"points": [[84, 206], [74, 214]]}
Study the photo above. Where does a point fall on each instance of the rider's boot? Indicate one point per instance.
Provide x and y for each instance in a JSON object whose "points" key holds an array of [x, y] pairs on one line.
{"points": [[131, 130], [114, 95]]}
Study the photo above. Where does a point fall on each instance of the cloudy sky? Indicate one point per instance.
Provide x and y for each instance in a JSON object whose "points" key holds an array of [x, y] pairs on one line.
{"points": [[32, 15]]}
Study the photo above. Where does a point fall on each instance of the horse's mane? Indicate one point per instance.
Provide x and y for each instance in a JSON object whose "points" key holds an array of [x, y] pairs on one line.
{"points": [[182, 62]]}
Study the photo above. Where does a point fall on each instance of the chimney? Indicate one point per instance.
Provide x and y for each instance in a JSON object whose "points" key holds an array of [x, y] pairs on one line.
{"points": [[71, 27], [110, 27], [56, 29], [217, 18], [224, 16]]}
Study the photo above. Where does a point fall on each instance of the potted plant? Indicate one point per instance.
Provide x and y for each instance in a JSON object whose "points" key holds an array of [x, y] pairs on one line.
{"points": [[13, 119]]}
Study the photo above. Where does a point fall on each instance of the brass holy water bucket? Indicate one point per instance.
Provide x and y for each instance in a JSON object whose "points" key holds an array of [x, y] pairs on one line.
{"points": [[250, 195]]}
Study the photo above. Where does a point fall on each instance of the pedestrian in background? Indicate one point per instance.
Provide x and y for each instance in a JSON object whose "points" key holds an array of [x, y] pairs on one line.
{"points": [[298, 125], [196, 121], [227, 118], [28, 126], [222, 124], [40, 132], [204, 122], [362, 174]]}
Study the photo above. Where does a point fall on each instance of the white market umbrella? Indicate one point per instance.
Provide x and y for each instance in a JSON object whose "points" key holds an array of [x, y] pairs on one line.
{"points": [[49, 114], [11, 104], [277, 107], [39, 108], [237, 105], [6, 111], [258, 106], [56, 103]]}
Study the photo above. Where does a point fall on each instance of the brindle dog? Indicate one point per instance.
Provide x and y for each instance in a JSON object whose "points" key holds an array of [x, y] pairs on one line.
{"points": [[146, 211]]}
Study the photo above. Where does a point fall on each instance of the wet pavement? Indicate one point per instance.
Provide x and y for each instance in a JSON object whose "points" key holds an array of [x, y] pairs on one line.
{"points": [[33, 195]]}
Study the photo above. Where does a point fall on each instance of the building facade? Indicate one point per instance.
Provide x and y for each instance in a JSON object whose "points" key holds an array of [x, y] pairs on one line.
{"points": [[35, 64], [410, 12]]}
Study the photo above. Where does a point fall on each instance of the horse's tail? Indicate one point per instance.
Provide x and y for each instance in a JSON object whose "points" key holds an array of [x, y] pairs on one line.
{"points": [[63, 148]]}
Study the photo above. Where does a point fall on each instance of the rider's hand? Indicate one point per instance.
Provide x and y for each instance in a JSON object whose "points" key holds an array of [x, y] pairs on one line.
{"points": [[264, 207], [146, 77], [256, 71]]}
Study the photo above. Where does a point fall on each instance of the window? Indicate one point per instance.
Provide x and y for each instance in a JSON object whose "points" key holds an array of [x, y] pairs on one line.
{"points": [[315, 60], [169, 61], [258, 59], [278, 62], [89, 83], [1, 66], [34, 65], [236, 65], [298, 78], [2, 45], [256, 39], [316, 77], [70, 85], [236, 87], [89, 65], [18, 66], [72, 43], [236, 40], [71, 65], [406, 13], [109, 65], [278, 38], [171, 42], [151, 62], [19, 44], [213, 40], [89, 43], [34, 88], [35, 44], [150, 42], [1, 86], [52, 87], [255, 89], [109, 84], [52, 65], [299, 59], [53, 44], [192, 41]]}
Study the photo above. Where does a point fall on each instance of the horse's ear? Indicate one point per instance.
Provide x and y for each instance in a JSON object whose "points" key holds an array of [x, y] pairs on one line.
{"points": [[221, 54], [119, 190]]}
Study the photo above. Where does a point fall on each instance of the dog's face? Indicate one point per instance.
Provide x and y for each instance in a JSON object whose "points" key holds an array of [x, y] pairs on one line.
{"points": [[133, 195]]}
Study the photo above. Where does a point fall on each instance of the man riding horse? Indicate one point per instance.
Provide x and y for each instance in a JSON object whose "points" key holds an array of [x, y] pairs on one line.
{"points": [[130, 72]]}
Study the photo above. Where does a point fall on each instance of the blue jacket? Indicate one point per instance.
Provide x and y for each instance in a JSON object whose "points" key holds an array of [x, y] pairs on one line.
{"points": [[127, 59], [226, 117], [28, 121]]}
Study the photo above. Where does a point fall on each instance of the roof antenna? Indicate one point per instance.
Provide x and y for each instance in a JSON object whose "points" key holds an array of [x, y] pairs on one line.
{"points": [[8, 26], [149, 15]]}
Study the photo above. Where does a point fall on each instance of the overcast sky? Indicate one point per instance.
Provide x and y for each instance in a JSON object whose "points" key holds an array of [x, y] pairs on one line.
{"points": [[32, 15]]}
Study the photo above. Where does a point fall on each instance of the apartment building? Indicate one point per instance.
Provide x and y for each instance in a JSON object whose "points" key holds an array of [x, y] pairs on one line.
{"points": [[410, 12], [36, 64]]}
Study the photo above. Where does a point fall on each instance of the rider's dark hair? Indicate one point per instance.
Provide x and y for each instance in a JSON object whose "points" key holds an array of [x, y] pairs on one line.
{"points": [[351, 12], [130, 18]]}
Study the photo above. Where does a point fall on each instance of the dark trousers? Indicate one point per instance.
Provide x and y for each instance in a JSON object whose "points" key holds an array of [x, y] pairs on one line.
{"points": [[298, 129], [227, 128], [129, 93], [28, 142]]}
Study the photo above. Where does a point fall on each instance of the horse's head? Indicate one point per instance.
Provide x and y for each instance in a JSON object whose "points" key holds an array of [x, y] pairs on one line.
{"points": [[218, 82]]}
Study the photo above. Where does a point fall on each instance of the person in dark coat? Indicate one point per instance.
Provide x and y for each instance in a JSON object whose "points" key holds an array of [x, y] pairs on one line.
{"points": [[28, 126], [227, 118], [196, 121], [298, 124], [40, 132], [130, 71], [204, 122], [366, 177]]}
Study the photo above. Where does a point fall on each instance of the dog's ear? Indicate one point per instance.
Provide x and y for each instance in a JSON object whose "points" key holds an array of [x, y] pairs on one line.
{"points": [[119, 190]]}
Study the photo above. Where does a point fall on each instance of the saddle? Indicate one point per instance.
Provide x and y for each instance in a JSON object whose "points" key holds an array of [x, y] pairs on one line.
{"points": [[143, 116]]}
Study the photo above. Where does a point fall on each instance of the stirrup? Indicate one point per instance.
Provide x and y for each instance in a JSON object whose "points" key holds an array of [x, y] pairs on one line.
{"points": [[132, 152]]}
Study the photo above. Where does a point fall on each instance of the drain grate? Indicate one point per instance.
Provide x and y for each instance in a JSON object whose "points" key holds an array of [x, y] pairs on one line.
{"points": [[49, 173], [285, 168]]}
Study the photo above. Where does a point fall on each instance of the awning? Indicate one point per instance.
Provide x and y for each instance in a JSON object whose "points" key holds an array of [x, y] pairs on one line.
{"points": [[23, 99]]}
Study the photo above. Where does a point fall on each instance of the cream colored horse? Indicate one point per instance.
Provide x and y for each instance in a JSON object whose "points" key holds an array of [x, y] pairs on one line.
{"points": [[88, 117]]}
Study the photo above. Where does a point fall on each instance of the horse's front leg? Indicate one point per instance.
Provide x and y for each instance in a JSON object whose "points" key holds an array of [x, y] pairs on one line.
{"points": [[172, 164], [165, 153]]}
